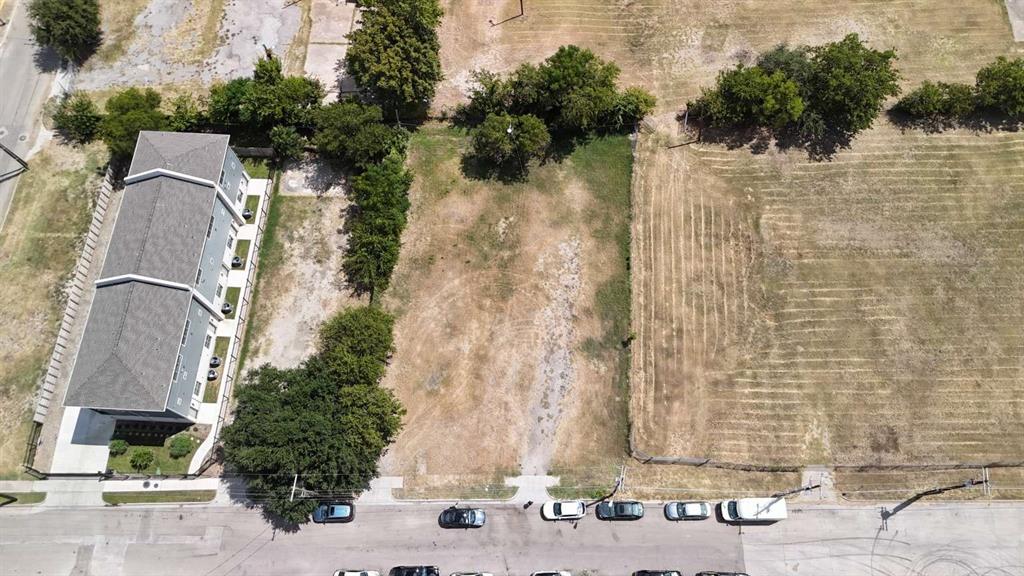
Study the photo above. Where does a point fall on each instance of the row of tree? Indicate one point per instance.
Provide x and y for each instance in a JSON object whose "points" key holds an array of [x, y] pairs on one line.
{"points": [[571, 95], [998, 88], [817, 96], [320, 427]]}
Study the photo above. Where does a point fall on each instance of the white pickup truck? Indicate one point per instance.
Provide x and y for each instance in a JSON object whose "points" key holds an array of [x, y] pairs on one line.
{"points": [[754, 510]]}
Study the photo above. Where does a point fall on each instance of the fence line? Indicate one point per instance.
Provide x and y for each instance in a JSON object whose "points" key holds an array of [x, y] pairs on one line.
{"points": [[74, 290]]}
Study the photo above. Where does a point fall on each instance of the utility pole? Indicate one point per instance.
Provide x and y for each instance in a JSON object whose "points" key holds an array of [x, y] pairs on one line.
{"points": [[782, 495], [13, 155], [886, 513], [294, 482]]}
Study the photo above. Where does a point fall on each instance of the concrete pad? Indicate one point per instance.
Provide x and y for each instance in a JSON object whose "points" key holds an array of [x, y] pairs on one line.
{"points": [[71, 493], [332, 20], [532, 488], [1015, 9], [380, 491], [323, 62], [82, 442]]}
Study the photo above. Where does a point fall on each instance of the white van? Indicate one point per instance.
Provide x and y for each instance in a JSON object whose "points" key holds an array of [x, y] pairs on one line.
{"points": [[754, 510]]}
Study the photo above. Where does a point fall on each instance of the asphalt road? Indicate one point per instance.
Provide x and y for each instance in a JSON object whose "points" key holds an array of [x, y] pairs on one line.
{"points": [[26, 72], [924, 540]]}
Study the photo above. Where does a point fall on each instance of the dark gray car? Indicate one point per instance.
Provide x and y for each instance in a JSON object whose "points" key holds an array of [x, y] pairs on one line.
{"points": [[620, 510], [462, 518]]}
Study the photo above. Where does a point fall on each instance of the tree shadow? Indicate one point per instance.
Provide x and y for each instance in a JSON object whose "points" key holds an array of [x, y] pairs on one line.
{"points": [[47, 60], [984, 121], [474, 167]]}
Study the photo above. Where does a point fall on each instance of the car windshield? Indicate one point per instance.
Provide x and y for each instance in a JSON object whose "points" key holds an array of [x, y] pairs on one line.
{"points": [[339, 511], [732, 509], [558, 509]]}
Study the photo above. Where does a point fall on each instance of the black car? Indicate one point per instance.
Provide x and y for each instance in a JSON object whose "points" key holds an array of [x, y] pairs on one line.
{"points": [[620, 510], [462, 518], [721, 574], [656, 573], [414, 571]]}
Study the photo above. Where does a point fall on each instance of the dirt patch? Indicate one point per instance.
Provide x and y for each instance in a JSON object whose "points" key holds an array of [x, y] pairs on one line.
{"points": [[495, 294], [175, 42], [39, 246], [301, 282]]}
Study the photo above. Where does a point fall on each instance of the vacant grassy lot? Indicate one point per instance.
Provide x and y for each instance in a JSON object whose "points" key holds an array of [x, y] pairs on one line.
{"points": [[39, 245], [512, 304], [861, 310], [673, 47]]}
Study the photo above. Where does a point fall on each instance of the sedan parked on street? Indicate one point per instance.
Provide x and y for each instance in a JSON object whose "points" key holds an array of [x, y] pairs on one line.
{"points": [[656, 573], [331, 512], [563, 510], [356, 573], [620, 510], [554, 573], [676, 511], [462, 518], [413, 571]]}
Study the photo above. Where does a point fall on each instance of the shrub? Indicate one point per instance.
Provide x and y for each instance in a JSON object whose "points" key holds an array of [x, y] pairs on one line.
{"points": [[748, 96], [510, 142], [938, 101], [70, 27], [78, 118], [141, 459], [118, 447], [353, 133], [128, 113], [630, 106], [181, 445], [187, 114], [1000, 86], [287, 143]]}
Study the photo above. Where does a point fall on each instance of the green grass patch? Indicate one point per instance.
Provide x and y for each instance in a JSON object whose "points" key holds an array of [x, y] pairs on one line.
{"points": [[252, 202], [258, 168], [220, 349], [232, 297], [162, 463], [271, 255], [23, 498], [159, 496], [242, 251]]}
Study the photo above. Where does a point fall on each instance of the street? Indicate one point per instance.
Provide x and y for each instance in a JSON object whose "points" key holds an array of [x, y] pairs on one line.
{"points": [[26, 73], [927, 539]]}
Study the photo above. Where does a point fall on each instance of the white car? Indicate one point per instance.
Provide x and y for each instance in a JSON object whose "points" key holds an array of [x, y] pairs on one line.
{"points": [[356, 573], [687, 510], [471, 574], [563, 510]]}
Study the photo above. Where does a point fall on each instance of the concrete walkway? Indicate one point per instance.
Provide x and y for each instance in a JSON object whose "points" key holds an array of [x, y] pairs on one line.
{"points": [[1015, 10]]}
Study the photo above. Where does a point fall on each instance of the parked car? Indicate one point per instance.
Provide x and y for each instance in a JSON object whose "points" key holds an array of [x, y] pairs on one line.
{"points": [[705, 573], [330, 512], [356, 573], [687, 510], [563, 510], [471, 574], [413, 571], [754, 510], [462, 518], [656, 573], [555, 573], [620, 510]]}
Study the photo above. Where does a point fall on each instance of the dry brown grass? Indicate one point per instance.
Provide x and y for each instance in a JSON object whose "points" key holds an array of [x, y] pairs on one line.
{"points": [[117, 18], [39, 245], [855, 311], [504, 340]]}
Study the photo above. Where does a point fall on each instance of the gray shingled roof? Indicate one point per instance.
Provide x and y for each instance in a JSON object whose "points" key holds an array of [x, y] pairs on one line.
{"points": [[131, 340], [160, 230], [199, 155], [129, 349]]}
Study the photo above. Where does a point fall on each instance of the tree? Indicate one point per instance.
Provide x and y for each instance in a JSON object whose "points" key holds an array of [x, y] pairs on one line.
{"points": [[118, 447], [291, 101], [352, 133], [394, 54], [371, 256], [510, 142], [226, 102], [748, 96], [630, 107], [129, 112], [141, 459], [187, 114], [1000, 86], [70, 27], [578, 89], [848, 83], [793, 63], [181, 445], [300, 425], [938, 102], [354, 346], [287, 143], [77, 118], [382, 191]]}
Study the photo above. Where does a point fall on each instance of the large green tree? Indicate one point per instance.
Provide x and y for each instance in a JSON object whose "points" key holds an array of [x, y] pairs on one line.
{"points": [[354, 346], [1000, 85], [353, 133], [70, 27], [77, 118], [510, 142], [848, 84], [393, 55], [129, 112], [938, 102]]}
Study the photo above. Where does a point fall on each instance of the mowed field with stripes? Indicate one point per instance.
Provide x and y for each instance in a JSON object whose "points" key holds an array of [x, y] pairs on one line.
{"points": [[863, 310]]}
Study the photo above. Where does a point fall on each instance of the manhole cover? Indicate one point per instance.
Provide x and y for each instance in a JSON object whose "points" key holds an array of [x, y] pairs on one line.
{"points": [[23, 137]]}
